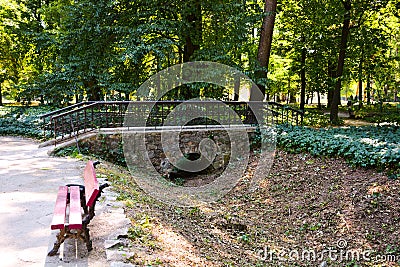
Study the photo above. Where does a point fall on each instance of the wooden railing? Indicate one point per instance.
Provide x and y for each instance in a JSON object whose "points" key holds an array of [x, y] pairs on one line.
{"points": [[88, 116]]}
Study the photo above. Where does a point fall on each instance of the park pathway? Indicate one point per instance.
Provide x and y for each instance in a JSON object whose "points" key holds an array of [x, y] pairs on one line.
{"points": [[29, 180]]}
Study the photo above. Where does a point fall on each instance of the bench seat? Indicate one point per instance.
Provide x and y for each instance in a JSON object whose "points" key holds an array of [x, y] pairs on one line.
{"points": [[74, 218], [74, 209]]}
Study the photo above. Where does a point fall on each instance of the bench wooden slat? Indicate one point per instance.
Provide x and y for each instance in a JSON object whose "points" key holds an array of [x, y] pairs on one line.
{"points": [[75, 214], [91, 184], [60, 208], [72, 205]]}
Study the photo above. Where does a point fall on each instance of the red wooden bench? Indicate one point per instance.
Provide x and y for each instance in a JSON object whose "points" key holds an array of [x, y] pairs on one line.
{"points": [[74, 209]]}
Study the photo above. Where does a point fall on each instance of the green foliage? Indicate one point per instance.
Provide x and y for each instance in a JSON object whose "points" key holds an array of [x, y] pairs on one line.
{"points": [[368, 146], [61, 50], [71, 151], [106, 149], [382, 118], [317, 118], [179, 181], [379, 113], [24, 121]]}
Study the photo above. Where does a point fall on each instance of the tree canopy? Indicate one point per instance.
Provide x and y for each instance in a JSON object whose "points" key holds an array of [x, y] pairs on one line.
{"points": [[59, 51]]}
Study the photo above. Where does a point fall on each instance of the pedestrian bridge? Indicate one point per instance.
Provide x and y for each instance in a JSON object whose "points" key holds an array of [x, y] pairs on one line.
{"points": [[85, 117]]}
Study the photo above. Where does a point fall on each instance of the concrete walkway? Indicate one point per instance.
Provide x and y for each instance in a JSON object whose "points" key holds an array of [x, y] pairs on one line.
{"points": [[28, 187], [29, 180]]}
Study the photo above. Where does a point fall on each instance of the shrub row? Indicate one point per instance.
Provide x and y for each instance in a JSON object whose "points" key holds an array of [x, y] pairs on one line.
{"points": [[367, 146], [22, 121]]}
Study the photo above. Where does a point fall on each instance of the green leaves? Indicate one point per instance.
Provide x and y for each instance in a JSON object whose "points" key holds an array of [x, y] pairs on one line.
{"points": [[369, 146], [87, 48], [22, 121]]}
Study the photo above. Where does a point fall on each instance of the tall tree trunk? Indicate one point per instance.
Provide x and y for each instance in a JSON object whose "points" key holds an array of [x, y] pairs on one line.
{"points": [[303, 76], [369, 89], [386, 91], [331, 75], [193, 38], [93, 91], [1, 96], [264, 48], [158, 78], [319, 100], [330, 97], [236, 88], [360, 85], [342, 54]]}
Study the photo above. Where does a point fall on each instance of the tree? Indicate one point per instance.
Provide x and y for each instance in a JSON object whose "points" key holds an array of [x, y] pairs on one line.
{"points": [[64, 50], [340, 65], [360, 11], [264, 48], [305, 35]]}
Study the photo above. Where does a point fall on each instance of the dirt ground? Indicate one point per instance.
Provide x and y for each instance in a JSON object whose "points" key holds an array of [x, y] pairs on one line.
{"points": [[307, 212]]}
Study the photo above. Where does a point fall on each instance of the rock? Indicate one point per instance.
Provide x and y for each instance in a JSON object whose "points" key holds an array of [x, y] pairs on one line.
{"points": [[118, 234], [151, 154], [118, 255], [111, 198], [118, 211], [112, 243]]}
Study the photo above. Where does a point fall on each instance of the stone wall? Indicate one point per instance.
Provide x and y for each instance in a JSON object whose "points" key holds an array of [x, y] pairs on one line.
{"points": [[109, 146]]}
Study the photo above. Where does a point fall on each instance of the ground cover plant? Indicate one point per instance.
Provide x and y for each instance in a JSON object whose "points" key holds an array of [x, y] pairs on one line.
{"points": [[385, 113], [24, 121], [316, 118], [365, 146]]}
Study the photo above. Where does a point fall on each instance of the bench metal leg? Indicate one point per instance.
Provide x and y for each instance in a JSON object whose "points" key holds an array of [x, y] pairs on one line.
{"points": [[60, 239], [87, 238], [65, 233]]}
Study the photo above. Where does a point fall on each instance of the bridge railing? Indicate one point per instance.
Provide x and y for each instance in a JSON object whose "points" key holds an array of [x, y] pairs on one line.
{"points": [[88, 116], [286, 114]]}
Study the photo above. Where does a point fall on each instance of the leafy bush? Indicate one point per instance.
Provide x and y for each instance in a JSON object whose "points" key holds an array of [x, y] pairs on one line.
{"points": [[379, 114], [24, 121], [71, 151], [367, 146], [103, 147], [388, 117], [317, 118]]}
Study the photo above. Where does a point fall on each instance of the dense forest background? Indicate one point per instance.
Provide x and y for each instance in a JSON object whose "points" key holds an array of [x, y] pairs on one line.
{"points": [[61, 51]]}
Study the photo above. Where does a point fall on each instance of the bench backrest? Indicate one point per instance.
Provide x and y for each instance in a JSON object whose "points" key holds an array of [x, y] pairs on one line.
{"points": [[91, 184]]}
